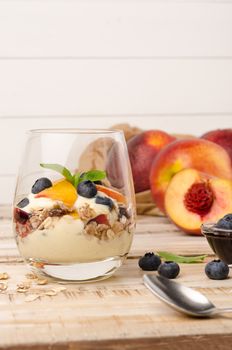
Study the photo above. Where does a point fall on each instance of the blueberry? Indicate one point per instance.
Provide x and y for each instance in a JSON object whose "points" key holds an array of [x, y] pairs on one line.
{"points": [[41, 184], [97, 182], [149, 262], [217, 270], [169, 269], [225, 222], [87, 189], [228, 217], [123, 212], [23, 203], [105, 201]]}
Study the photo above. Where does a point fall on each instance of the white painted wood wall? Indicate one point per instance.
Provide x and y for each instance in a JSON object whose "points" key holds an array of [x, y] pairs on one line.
{"points": [[69, 63]]}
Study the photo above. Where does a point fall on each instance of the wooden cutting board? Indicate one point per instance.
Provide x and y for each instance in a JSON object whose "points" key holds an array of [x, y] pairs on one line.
{"points": [[118, 313]]}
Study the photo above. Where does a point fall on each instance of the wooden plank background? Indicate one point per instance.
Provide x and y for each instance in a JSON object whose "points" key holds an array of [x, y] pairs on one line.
{"points": [[156, 64]]}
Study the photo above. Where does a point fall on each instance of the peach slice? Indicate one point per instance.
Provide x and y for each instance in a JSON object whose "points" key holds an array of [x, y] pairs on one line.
{"points": [[112, 193], [199, 154], [193, 198], [61, 190]]}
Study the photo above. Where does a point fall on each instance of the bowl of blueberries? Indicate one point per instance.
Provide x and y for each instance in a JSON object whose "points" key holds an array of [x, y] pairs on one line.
{"points": [[219, 237]]}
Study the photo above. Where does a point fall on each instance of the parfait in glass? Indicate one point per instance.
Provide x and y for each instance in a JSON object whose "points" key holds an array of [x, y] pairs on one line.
{"points": [[74, 207]]}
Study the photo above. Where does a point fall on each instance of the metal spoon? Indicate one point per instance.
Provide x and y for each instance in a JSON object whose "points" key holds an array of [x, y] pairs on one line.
{"points": [[181, 298]]}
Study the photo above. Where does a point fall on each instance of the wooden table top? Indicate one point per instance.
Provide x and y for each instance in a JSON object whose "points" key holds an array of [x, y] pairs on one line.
{"points": [[118, 313]]}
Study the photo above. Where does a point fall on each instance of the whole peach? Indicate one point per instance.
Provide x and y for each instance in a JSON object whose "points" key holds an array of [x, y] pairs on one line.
{"points": [[143, 149], [222, 137]]}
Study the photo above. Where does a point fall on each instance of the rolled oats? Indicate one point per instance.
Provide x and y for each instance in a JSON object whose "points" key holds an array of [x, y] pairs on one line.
{"points": [[3, 286], [4, 276], [31, 276], [110, 234], [35, 222], [59, 289], [57, 212], [23, 287], [51, 293], [123, 220], [117, 227], [46, 223], [90, 228], [97, 230], [86, 212], [41, 219], [42, 281]]}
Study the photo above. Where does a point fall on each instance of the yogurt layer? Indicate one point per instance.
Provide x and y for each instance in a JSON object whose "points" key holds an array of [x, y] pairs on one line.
{"points": [[66, 243]]}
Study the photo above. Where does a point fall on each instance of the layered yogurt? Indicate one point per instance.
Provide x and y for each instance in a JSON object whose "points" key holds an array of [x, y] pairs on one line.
{"points": [[60, 225]]}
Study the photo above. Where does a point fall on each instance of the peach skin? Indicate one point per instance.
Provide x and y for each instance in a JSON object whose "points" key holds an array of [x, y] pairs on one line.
{"points": [[112, 193], [143, 149], [222, 137]]}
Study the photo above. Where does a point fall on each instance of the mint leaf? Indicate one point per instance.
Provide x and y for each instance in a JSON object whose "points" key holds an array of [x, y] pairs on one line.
{"points": [[76, 179], [182, 259], [94, 175], [60, 169]]}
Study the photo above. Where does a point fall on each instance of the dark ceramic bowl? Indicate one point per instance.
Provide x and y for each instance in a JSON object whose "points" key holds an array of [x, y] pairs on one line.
{"points": [[220, 240]]}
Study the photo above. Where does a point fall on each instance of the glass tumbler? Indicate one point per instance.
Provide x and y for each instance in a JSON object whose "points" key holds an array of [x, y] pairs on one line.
{"points": [[74, 205]]}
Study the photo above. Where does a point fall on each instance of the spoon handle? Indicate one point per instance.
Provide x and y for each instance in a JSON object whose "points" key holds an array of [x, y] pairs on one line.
{"points": [[225, 310]]}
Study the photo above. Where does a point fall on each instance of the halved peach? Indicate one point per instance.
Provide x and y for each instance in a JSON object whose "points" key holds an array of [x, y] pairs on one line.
{"points": [[61, 190], [112, 193], [199, 154], [193, 198]]}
